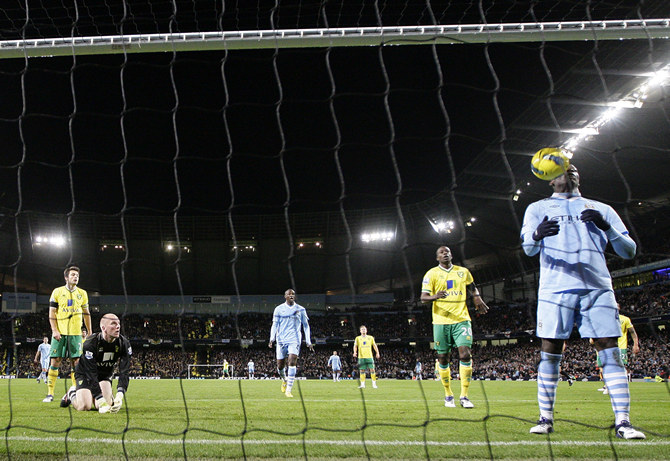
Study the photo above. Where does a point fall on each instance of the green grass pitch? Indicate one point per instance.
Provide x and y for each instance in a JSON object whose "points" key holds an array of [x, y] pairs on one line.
{"points": [[214, 419]]}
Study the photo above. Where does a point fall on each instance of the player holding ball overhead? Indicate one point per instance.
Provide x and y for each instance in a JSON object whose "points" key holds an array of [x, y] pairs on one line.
{"points": [[570, 233]]}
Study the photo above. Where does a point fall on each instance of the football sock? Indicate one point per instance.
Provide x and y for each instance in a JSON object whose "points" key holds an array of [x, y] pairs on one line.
{"points": [[547, 381], [616, 381], [291, 378], [282, 373], [362, 377], [465, 370], [72, 395], [445, 377], [51, 381], [373, 376], [74, 382]]}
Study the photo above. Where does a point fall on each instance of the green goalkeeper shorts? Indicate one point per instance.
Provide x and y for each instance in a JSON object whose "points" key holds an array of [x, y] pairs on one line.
{"points": [[447, 337], [67, 346]]}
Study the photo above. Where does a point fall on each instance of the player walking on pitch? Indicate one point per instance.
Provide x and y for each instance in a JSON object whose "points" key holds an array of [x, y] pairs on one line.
{"points": [[42, 358], [67, 305], [288, 321], [95, 370], [445, 286], [570, 233], [250, 369], [336, 364], [363, 346]]}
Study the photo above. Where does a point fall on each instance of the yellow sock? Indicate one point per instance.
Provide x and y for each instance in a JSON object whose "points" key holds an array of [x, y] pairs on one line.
{"points": [[74, 382], [362, 378], [373, 376], [445, 376], [52, 376], [465, 370]]}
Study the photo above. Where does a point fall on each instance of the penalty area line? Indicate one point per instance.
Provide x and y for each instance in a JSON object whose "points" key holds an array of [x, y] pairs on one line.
{"points": [[583, 443]]}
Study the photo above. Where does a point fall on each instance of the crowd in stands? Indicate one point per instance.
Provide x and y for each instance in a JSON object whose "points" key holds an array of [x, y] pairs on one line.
{"points": [[509, 361], [396, 325]]}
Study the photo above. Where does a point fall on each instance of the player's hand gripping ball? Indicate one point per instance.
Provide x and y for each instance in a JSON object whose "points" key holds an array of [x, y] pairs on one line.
{"points": [[549, 163]]}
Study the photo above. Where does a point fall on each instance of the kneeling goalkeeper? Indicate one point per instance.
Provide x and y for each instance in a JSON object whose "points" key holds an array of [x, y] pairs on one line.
{"points": [[95, 369]]}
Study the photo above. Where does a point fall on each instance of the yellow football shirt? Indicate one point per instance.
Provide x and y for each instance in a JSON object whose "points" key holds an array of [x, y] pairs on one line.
{"points": [[626, 325], [69, 307], [452, 309], [364, 345]]}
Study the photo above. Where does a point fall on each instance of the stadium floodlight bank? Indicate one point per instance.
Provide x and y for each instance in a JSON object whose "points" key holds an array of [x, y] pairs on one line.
{"points": [[338, 37]]}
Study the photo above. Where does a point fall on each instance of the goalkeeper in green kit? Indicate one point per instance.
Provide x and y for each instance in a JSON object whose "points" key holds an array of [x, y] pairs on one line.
{"points": [[94, 372]]}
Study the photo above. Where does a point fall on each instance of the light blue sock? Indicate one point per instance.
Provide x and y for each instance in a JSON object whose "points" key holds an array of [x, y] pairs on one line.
{"points": [[616, 380], [547, 381], [291, 378]]}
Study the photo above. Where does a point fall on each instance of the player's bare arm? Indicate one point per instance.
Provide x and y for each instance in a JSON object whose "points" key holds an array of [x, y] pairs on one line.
{"points": [[636, 341], [87, 319], [54, 323], [426, 298], [480, 305]]}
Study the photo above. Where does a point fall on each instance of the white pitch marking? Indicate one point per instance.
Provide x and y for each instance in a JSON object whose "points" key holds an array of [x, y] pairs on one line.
{"points": [[237, 441]]}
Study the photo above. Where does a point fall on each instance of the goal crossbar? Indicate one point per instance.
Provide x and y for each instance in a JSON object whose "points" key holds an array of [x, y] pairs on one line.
{"points": [[338, 37]]}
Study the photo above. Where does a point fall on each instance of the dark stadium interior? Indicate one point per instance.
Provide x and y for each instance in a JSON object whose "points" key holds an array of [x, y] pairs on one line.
{"points": [[260, 172]]}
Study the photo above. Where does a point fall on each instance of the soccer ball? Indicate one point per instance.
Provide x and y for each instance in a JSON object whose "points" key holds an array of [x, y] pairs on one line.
{"points": [[549, 163]]}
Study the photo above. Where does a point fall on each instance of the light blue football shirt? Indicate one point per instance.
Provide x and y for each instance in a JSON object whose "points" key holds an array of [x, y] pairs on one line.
{"points": [[574, 258], [287, 324], [335, 362], [45, 350]]}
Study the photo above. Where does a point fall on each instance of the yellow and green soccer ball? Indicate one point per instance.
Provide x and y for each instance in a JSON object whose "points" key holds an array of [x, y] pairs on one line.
{"points": [[549, 163]]}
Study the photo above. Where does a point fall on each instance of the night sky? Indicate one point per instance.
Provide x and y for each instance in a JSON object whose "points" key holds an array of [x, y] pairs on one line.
{"points": [[253, 132]]}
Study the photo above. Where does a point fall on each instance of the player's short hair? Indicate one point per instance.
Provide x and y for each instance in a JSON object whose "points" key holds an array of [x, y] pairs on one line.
{"points": [[67, 270], [362, 326]]}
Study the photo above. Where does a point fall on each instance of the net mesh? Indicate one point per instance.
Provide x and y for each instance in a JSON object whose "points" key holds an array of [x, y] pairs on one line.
{"points": [[238, 172]]}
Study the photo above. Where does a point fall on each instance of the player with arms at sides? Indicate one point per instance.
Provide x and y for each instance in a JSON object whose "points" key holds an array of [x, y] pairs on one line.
{"points": [[67, 305], [95, 370], [446, 286], [250, 369], [363, 346], [288, 321], [42, 358], [335, 363], [418, 369], [226, 369], [626, 327], [570, 233]]}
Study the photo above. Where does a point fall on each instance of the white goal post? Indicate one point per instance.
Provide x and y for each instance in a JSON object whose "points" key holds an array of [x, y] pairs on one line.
{"points": [[212, 372], [335, 37]]}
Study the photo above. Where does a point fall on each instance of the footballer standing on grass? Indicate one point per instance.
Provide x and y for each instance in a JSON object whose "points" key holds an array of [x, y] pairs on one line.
{"points": [[570, 234], [95, 370], [445, 286]]}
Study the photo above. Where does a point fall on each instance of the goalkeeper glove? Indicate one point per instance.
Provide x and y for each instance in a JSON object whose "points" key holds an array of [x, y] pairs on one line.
{"points": [[118, 401], [103, 405], [596, 218], [546, 228]]}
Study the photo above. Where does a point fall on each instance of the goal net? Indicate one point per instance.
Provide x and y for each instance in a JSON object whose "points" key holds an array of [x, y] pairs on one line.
{"points": [[209, 371], [197, 158]]}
